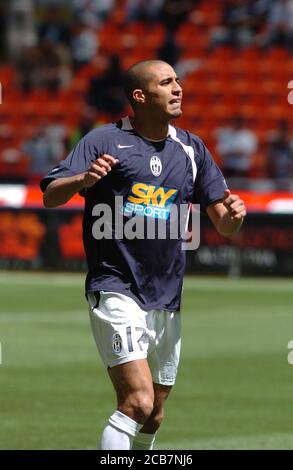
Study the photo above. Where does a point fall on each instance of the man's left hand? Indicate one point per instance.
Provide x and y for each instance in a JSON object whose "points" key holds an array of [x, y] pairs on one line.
{"points": [[234, 205]]}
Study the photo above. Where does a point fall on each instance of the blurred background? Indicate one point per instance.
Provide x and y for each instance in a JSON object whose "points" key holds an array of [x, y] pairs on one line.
{"points": [[61, 71]]}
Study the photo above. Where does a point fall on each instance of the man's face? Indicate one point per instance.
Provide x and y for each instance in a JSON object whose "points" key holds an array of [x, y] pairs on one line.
{"points": [[163, 94]]}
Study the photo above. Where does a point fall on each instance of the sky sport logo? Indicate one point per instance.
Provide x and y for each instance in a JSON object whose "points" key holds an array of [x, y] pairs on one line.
{"points": [[149, 200], [182, 223]]}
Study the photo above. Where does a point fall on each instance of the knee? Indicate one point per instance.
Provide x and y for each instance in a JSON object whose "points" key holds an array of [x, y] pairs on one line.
{"points": [[142, 406], [154, 421], [139, 405]]}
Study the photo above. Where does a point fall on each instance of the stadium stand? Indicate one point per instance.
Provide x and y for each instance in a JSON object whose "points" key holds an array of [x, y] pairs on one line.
{"points": [[220, 81]]}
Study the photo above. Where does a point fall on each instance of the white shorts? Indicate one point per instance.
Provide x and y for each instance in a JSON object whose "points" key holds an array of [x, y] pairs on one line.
{"points": [[124, 332]]}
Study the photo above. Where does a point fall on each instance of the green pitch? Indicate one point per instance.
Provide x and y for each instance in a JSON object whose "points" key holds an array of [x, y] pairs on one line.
{"points": [[234, 388]]}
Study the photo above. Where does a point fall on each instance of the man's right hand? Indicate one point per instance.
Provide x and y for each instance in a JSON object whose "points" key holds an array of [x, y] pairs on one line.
{"points": [[98, 169], [60, 190]]}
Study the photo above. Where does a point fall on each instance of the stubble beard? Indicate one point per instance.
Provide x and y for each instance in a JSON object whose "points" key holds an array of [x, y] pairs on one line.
{"points": [[177, 114]]}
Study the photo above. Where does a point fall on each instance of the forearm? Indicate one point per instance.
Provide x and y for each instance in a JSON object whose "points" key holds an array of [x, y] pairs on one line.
{"points": [[59, 191]]}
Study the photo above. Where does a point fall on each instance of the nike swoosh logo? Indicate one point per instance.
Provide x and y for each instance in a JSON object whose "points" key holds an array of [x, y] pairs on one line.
{"points": [[124, 146]]}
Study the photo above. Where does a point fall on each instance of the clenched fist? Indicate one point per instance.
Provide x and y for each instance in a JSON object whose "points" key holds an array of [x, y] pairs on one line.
{"points": [[234, 205], [98, 169]]}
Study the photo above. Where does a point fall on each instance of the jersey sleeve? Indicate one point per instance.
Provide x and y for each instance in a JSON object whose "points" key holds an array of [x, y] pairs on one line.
{"points": [[79, 159], [210, 184]]}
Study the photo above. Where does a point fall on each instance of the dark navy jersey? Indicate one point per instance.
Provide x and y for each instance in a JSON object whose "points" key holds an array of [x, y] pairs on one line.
{"points": [[150, 178]]}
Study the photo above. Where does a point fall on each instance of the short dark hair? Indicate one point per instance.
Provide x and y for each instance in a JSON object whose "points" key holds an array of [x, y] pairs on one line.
{"points": [[137, 76]]}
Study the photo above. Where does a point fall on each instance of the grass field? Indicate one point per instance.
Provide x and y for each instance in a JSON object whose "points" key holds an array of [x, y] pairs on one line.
{"points": [[234, 388]]}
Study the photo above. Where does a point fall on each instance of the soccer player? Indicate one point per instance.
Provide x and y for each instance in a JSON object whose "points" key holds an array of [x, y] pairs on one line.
{"points": [[139, 168]]}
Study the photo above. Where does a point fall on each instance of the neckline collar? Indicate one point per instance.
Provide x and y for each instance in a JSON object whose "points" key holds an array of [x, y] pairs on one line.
{"points": [[127, 126]]}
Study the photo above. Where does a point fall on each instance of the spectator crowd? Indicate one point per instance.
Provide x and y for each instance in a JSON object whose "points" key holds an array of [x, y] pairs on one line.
{"points": [[50, 44]]}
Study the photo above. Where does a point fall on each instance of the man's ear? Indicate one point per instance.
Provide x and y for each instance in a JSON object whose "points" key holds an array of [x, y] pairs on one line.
{"points": [[138, 95]]}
